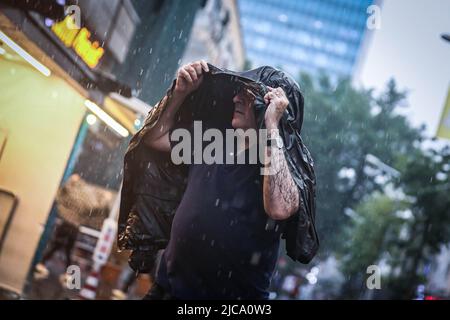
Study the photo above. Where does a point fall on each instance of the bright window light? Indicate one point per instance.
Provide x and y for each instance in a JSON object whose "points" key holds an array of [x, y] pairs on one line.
{"points": [[106, 118], [21, 52]]}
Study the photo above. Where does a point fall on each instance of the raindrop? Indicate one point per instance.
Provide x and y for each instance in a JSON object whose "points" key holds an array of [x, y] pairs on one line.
{"points": [[255, 258]]}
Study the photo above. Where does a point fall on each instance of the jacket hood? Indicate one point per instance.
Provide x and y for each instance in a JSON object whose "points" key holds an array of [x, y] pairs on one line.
{"points": [[258, 79], [212, 101]]}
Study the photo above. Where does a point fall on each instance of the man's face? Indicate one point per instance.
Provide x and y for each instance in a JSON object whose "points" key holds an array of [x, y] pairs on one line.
{"points": [[244, 114]]}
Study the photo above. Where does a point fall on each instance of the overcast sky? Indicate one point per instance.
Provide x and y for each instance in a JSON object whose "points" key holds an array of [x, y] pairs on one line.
{"points": [[408, 47]]}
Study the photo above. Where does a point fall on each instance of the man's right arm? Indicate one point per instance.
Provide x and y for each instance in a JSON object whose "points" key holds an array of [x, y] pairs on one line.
{"points": [[158, 137], [189, 78]]}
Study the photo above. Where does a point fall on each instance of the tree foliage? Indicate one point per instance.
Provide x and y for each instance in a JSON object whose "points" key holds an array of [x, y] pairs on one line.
{"points": [[342, 125]]}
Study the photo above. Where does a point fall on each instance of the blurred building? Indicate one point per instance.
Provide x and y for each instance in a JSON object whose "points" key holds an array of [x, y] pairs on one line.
{"points": [[157, 46], [77, 79], [216, 36], [305, 36]]}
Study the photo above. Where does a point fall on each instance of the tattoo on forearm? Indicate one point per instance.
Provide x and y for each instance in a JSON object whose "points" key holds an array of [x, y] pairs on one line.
{"points": [[279, 185]]}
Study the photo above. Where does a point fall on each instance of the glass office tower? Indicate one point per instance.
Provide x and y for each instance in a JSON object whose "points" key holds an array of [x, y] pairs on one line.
{"points": [[305, 35]]}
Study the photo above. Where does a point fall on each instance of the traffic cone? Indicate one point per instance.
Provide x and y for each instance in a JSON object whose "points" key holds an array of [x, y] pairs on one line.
{"points": [[89, 290]]}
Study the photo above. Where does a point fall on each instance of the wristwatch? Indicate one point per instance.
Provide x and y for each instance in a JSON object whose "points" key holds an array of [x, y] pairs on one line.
{"points": [[276, 141]]}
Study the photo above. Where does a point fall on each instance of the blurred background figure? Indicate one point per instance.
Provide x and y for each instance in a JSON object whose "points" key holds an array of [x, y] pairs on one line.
{"points": [[78, 203], [64, 239]]}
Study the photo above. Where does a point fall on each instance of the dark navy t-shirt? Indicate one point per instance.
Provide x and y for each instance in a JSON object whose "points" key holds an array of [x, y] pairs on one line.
{"points": [[222, 245]]}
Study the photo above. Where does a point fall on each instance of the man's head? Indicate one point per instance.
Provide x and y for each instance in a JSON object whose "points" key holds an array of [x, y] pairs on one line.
{"points": [[244, 113]]}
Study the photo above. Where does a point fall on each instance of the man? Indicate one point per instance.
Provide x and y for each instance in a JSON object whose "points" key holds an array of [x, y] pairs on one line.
{"points": [[226, 230], [249, 218]]}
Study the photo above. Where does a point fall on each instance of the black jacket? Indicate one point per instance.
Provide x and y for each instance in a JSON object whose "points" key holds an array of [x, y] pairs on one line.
{"points": [[153, 185]]}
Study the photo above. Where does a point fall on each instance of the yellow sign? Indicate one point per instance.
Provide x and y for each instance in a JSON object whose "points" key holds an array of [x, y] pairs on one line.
{"points": [[78, 40], [444, 124]]}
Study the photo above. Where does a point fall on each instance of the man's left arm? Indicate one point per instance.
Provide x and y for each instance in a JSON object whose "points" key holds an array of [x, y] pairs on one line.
{"points": [[281, 196]]}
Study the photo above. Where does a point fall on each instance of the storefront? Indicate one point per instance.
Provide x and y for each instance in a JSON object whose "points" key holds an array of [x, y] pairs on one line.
{"points": [[57, 120]]}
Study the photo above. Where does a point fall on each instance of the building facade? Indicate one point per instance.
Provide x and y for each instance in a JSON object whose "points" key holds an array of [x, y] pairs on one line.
{"points": [[216, 36], [305, 36], [73, 93]]}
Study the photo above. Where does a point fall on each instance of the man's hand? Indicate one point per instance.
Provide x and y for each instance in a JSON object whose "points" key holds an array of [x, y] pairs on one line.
{"points": [[189, 77], [277, 103]]}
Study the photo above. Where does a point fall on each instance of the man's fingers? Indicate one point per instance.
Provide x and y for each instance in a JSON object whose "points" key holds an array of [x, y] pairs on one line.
{"points": [[269, 95], [184, 74], [267, 98], [275, 90], [198, 68], [280, 91], [192, 72], [204, 65]]}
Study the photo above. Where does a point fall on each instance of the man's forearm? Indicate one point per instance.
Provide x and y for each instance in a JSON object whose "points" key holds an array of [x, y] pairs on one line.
{"points": [[166, 120], [281, 196]]}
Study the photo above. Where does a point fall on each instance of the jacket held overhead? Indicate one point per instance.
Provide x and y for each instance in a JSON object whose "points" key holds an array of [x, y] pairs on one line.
{"points": [[153, 186]]}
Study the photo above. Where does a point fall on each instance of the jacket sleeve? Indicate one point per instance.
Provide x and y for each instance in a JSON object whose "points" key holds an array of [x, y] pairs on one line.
{"points": [[132, 163], [151, 190], [302, 241]]}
